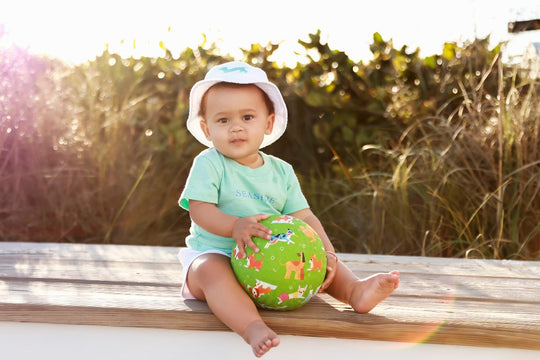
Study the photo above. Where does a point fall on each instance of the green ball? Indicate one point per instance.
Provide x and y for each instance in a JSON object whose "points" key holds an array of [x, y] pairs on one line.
{"points": [[288, 270]]}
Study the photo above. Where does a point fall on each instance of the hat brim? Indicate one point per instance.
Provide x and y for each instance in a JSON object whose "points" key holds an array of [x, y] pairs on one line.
{"points": [[201, 87]]}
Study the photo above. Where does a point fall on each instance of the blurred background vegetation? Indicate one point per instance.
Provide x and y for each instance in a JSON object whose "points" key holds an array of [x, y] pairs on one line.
{"points": [[434, 156]]}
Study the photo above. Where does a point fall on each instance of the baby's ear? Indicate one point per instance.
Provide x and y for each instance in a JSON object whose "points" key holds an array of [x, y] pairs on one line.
{"points": [[205, 130], [270, 124]]}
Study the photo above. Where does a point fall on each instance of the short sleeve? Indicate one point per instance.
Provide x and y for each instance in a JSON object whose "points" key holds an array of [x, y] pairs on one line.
{"points": [[295, 197], [202, 184]]}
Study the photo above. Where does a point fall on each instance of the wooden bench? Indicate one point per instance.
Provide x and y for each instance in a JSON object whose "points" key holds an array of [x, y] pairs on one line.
{"points": [[484, 303]]}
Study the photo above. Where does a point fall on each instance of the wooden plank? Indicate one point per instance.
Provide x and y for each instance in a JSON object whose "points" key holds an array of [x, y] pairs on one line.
{"points": [[92, 252], [523, 25], [427, 276], [413, 283], [421, 321], [368, 263], [30, 262], [87, 271], [140, 298], [445, 266], [444, 301]]}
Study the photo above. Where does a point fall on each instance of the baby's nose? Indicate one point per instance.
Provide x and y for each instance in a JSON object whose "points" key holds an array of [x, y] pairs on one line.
{"points": [[236, 126]]}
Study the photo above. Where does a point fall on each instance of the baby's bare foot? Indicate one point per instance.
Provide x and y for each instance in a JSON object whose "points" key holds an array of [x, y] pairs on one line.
{"points": [[367, 293], [260, 337]]}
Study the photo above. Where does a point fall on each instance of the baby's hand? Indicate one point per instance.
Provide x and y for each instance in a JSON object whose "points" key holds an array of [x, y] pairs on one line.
{"points": [[246, 227]]}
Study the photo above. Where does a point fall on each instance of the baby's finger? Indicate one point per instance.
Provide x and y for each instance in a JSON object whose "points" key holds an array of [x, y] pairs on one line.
{"points": [[252, 245], [260, 217], [328, 279], [263, 232], [241, 249], [248, 242]]}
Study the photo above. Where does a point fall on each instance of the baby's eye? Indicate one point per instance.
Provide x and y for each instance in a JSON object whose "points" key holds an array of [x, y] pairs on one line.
{"points": [[222, 121], [248, 117]]}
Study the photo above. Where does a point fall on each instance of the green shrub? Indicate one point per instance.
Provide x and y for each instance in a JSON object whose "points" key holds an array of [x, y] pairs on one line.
{"points": [[433, 156]]}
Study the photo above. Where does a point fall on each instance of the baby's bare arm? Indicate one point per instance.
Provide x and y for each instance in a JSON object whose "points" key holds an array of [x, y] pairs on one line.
{"points": [[215, 221], [211, 219], [309, 218]]}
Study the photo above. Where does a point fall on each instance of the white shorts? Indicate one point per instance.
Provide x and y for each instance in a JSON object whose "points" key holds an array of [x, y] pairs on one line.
{"points": [[186, 257]]}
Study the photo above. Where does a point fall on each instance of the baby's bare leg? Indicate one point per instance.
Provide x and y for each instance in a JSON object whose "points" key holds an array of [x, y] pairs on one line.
{"points": [[211, 279], [362, 294]]}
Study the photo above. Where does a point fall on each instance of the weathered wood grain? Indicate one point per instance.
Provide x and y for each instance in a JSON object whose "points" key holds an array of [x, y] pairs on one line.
{"points": [[444, 301]]}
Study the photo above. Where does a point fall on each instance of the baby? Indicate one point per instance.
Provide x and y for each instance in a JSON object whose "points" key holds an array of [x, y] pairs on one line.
{"points": [[235, 111]]}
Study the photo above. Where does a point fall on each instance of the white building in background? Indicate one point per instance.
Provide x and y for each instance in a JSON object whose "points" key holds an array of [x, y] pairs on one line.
{"points": [[523, 45], [531, 58]]}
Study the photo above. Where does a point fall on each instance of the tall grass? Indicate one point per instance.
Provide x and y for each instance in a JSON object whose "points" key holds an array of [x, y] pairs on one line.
{"points": [[395, 157], [83, 153], [466, 185]]}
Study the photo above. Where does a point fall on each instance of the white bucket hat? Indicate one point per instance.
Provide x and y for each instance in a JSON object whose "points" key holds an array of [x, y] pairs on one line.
{"points": [[238, 73]]}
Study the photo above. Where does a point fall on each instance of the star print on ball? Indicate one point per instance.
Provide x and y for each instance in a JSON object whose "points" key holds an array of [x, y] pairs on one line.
{"points": [[288, 270]]}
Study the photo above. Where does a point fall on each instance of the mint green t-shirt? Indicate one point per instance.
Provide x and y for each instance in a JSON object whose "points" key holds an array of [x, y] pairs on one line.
{"points": [[239, 190]]}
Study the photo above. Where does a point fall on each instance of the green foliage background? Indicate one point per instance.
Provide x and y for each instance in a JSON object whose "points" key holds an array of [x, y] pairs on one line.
{"points": [[434, 156]]}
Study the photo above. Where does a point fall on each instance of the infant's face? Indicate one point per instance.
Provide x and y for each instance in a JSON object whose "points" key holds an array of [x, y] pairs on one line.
{"points": [[236, 120]]}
